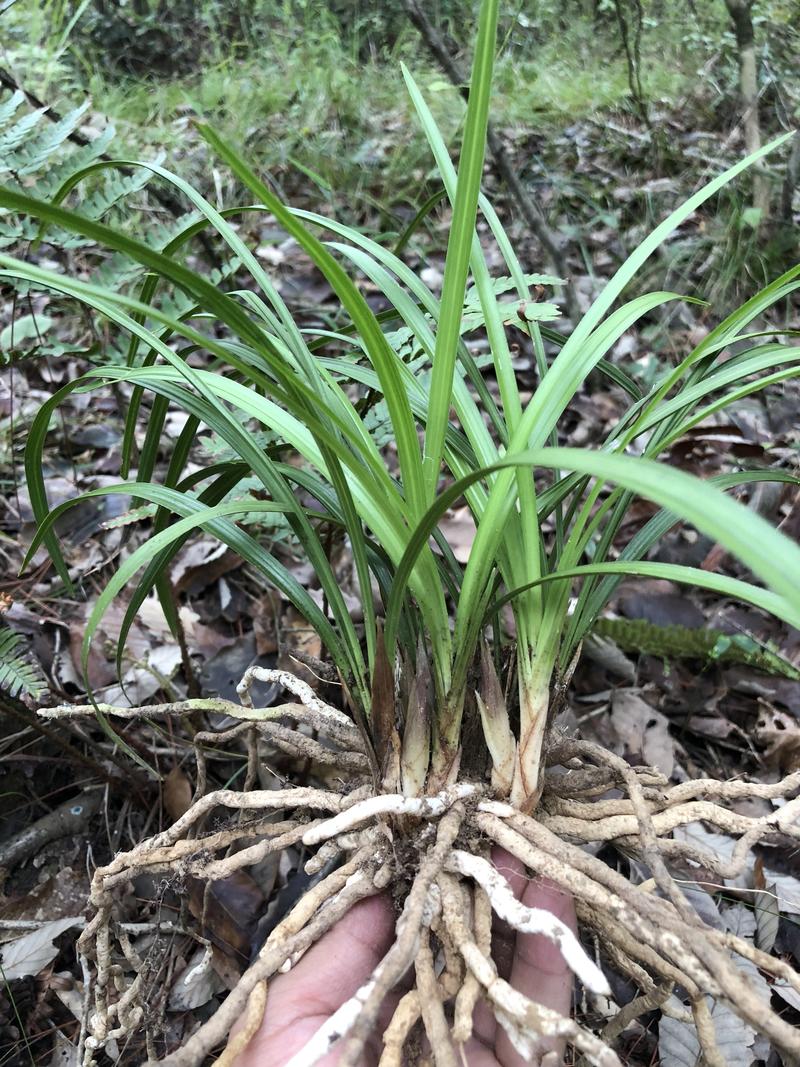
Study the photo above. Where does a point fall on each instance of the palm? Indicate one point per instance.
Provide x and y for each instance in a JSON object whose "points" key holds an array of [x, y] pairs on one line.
{"points": [[299, 1002]]}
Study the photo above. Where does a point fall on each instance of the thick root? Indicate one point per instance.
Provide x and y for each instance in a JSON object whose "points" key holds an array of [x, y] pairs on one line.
{"points": [[438, 849]]}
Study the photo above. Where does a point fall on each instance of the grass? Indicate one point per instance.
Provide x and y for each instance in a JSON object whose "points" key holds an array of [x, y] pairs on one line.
{"points": [[388, 522], [303, 95]]}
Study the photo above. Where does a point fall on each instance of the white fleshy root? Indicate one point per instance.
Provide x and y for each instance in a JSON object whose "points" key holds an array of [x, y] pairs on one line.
{"points": [[498, 808], [389, 804], [333, 1029], [424, 844], [304, 693], [529, 920]]}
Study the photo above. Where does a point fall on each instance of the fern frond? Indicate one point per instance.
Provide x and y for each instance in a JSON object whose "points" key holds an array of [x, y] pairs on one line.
{"points": [[30, 328], [19, 674], [11, 106], [45, 156], [117, 187], [39, 150], [67, 162], [15, 135]]}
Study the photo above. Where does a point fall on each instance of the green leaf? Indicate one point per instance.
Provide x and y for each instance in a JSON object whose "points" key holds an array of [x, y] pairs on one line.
{"points": [[459, 245], [19, 674]]}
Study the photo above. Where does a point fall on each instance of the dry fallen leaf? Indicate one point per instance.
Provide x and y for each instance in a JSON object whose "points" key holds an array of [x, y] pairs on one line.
{"points": [[32, 952], [177, 794], [229, 909], [642, 730], [298, 636], [266, 612], [201, 563], [780, 733], [459, 530], [64, 1052], [196, 984]]}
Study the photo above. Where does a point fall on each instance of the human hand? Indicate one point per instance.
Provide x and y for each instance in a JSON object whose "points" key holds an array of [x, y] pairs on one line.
{"points": [[299, 1002]]}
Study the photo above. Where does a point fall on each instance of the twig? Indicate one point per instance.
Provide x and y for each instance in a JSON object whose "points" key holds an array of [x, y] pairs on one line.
{"points": [[71, 817]]}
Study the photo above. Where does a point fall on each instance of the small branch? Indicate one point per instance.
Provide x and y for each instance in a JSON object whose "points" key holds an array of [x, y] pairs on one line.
{"points": [[71, 817], [740, 12], [633, 55], [791, 179]]}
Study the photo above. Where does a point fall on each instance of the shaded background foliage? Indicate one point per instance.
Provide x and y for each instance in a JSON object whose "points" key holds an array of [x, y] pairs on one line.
{"points": [[311, 89]]}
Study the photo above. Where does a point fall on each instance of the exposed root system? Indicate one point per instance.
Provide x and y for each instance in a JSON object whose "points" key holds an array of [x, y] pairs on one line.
{"points": [[439, 847]]}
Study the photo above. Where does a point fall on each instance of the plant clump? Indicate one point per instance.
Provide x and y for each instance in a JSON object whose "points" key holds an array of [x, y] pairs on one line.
{"points": [[308, 412]]}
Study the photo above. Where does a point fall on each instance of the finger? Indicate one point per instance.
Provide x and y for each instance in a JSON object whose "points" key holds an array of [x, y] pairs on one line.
{"points": [[503, 942], [328, 975], [539, 970]]}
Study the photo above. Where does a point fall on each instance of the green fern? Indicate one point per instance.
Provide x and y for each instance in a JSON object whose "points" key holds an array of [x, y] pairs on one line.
{"points": [[20, 676], [36, 153]]}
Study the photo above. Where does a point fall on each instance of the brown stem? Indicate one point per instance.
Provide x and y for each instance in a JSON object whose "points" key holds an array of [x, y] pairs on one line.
{"points": [[791, 179]]}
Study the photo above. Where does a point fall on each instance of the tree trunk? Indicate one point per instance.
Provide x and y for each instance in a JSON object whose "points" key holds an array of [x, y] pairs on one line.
{"points": [[740, 12], [791, 179]]}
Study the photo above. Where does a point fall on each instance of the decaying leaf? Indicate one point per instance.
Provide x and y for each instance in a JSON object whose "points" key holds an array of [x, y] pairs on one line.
{"points": [[787, 993], [177, 793], [742, 921], [766, 906], [300, 645], [31, 953], [229, 909], [201, 563], [679, 1046], [677, 1042], [768, 918], [196, 984], [609, 655], [780, 733], [64, 1052], [643, 730]]}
